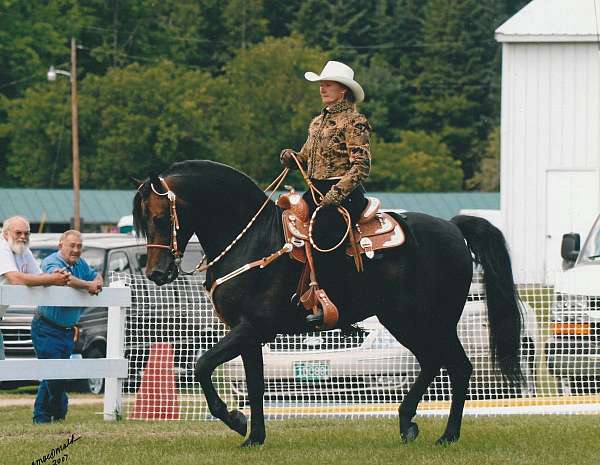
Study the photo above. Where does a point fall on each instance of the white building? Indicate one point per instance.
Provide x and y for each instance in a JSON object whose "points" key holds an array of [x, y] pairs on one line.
{"points": [[550, 135]]}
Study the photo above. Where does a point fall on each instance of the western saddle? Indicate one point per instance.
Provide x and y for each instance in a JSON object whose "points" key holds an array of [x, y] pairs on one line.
{"points": [[376, 230]]}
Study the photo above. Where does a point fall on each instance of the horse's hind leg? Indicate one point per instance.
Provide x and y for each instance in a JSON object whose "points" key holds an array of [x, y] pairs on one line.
{"points": [[430, 367], [240, 339], [459, 370], [408, 408]]}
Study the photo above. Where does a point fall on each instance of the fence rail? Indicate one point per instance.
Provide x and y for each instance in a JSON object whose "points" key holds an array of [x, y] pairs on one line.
{"points": [[114, 368]]}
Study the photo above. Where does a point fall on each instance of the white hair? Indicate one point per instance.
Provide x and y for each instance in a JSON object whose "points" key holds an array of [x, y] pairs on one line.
{"points": [[8, 222]]}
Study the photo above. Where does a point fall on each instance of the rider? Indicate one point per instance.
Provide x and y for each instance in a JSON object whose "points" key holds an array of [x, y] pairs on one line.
{"points": [[336, 154]]}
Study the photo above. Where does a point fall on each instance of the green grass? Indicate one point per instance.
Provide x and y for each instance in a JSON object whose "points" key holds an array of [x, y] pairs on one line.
{"points": [[508, 440]]}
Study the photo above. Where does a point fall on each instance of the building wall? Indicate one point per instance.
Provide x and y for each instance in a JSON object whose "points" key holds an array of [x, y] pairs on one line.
{"points": [[550, 130]]}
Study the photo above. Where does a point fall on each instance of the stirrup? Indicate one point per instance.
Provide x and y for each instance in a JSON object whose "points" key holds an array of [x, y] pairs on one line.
{"points": [[315, 319]]}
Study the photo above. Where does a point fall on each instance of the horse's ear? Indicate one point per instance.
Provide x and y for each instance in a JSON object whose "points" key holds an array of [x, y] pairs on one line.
{"points": [[154, 178], [136, 182]]}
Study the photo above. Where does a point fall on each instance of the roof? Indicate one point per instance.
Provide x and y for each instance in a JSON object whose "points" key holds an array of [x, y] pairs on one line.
{"points": [[107, 207], [553, 21], [56, 205], [441, 204]]}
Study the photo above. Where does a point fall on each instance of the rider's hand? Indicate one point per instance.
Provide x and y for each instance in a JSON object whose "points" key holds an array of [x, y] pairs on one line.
{"points": [[331, 199], [285, 158]]}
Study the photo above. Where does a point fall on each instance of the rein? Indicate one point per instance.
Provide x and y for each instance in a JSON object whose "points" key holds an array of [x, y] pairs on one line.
{"points": [[263, 262], [314, 192], [177, 254]]}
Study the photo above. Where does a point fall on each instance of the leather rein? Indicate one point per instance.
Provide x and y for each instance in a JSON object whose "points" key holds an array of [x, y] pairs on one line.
{"points": [[173, 247]]}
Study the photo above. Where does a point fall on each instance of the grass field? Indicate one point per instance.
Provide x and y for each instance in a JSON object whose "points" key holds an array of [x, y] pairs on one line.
{"points": [[545, 440]]}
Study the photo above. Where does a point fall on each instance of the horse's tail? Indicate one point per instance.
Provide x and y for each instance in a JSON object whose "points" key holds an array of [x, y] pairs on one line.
{"points": [[488, 246]]}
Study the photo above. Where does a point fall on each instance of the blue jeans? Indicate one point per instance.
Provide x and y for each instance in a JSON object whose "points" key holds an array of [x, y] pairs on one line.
{"points": [[49, 342]]}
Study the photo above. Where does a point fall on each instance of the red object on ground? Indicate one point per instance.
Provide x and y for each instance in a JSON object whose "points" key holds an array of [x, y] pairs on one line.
{"points": [[157, 398]]}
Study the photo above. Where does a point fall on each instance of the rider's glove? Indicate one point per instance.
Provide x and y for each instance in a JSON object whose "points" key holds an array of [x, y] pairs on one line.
{"points": [[285, 158], [333, 198]]}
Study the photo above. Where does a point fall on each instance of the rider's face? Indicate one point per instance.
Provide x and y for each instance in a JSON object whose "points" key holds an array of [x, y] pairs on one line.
{"points": [[331, 92]]}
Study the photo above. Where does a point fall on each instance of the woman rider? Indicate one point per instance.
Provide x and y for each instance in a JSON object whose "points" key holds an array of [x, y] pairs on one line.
{"points": [[336, 155]]}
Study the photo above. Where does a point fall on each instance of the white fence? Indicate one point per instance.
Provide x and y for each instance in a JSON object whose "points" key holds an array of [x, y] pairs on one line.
{"points": [[360, 373], [113, 367]]}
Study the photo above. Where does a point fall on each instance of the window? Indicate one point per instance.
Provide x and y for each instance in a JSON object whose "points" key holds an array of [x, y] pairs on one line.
{"points": [[118, 262]]}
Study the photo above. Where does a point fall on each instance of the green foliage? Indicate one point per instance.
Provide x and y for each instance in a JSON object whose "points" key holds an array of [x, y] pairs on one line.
{"points": [[487, 176], [265, 105], [457, 80], [166, 80], [132, 120], [420, 162]]}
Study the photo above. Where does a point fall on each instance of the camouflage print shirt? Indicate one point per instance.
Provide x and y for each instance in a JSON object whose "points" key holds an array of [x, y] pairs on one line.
{"points": [[338, 147]]}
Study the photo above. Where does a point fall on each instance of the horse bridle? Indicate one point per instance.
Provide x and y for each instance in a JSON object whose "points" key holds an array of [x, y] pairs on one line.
{"points": [[173, 247], [178, 255]]}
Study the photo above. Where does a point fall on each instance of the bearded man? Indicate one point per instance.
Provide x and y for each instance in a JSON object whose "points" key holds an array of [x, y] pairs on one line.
{"points": [[17, 265]]}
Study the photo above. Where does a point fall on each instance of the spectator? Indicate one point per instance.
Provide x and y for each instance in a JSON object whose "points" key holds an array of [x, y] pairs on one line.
{"points": [[52, 328], [17, 265]]}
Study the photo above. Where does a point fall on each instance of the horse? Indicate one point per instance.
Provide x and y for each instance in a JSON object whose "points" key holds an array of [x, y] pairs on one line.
{"points": [[417, 291]]}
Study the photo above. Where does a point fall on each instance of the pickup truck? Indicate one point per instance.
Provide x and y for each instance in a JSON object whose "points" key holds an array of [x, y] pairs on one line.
{"points": [[573, 350]]}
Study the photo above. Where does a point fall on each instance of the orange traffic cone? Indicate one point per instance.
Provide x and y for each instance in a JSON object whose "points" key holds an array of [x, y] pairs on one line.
{"points": [[157, 397]]}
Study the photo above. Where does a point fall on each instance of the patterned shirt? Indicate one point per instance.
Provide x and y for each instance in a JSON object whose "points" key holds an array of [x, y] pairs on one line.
{"points": [[338, 147]]}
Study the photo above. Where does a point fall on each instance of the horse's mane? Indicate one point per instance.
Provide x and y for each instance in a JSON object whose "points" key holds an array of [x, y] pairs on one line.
{"points": [[225, 176]]}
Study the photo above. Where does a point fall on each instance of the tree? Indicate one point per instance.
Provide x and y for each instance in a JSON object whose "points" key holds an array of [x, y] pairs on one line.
{"points": [[132, 121], [265, 105], [343, 27], [487, 175], [457, 86], [420, 162]]}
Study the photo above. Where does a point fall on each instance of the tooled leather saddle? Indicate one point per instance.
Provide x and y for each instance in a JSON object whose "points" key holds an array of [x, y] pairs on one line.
{"points": [[375, 230]]}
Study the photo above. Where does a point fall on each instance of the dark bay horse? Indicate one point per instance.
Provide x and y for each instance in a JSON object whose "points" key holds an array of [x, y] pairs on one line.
{"points": [[417, 291]]}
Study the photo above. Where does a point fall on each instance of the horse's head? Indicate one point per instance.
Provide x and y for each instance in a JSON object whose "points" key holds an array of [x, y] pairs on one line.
{"points": [[157, 216]]}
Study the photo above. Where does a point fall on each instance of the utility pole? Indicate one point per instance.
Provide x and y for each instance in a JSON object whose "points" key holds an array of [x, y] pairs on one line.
{"points": [[75, 134], [52, 73]]}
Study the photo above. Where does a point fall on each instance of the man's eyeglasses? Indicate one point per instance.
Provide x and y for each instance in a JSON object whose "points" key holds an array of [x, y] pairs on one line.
{"points": [[22, 233]]}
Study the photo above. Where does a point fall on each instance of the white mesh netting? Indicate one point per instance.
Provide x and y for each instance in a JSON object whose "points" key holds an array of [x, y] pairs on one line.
{"points": [[363, 373]]}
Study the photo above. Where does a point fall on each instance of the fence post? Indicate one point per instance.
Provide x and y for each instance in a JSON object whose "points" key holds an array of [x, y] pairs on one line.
{"points": [[115, 348]]}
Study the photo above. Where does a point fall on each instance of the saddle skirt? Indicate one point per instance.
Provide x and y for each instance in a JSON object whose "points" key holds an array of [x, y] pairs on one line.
{"points": [[376, 230]]}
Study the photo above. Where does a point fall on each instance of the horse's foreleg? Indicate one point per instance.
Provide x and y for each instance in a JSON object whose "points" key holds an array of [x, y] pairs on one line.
{"points": [[239, 339], [253, 367]]}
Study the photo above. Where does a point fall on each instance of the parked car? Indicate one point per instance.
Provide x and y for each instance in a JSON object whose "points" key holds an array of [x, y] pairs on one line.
{"points": [[369, 364], [108, 254], [573, 349]]}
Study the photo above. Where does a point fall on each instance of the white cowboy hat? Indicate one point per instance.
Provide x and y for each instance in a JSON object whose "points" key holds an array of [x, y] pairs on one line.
{"points": [[338, 72]]}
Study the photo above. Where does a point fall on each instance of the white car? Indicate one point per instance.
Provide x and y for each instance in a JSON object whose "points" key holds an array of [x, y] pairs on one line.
{"points": [[369, 365]]}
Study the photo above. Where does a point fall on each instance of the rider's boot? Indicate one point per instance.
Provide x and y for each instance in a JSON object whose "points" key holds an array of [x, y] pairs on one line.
{"points": [[315, 319]]}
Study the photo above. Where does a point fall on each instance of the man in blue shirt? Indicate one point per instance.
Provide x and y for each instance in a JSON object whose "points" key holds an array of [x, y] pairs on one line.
{"points": [[52, 328]]}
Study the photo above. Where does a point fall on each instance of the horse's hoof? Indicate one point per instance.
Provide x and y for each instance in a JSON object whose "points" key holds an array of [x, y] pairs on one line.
{"points": [[447, 439], [236, 420], [410, 434], [252, 443]]}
